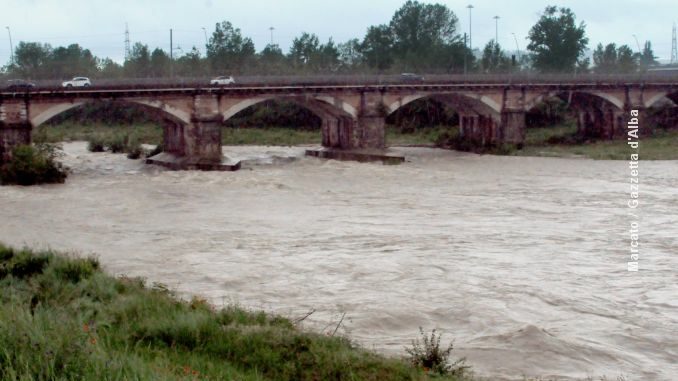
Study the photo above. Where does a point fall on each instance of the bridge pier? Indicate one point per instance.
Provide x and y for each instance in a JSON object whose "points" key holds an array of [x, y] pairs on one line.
{"points": [[606, 123], [12, 135], [196, 145], [512, 127], [361, 139], [15, 128]]}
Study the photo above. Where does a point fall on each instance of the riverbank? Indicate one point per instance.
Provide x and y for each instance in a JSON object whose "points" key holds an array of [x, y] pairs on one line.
{"points": [[662, 145], [63, 318]]}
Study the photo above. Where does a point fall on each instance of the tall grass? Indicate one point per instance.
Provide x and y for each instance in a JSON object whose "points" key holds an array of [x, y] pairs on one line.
{"points": [[64, 319]]}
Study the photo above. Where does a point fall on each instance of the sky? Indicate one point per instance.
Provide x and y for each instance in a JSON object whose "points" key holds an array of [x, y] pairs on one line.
{"points": [[100, 25]]}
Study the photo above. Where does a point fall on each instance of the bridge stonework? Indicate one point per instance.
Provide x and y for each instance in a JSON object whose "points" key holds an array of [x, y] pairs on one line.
{"points": [[353, 116]]}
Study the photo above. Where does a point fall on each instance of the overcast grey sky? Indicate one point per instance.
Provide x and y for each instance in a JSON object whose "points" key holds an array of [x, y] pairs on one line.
{"points": [[100, 25]]}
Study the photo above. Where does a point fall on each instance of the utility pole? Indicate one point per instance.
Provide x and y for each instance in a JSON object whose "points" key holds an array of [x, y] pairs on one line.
{"points": [[11, 47], [171, 60], [496, 29], [465, 53], [128, 51], [271, 29], [470, 29], [674, 46]]}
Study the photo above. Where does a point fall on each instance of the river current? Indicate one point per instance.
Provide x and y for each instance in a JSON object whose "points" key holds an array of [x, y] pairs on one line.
{"points": [[522, 261]]}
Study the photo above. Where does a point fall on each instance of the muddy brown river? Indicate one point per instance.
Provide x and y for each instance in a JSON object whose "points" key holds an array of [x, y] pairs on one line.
{"points": [[522, 261]]}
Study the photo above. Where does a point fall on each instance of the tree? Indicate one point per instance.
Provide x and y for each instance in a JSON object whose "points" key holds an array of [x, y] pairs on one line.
{"points": [[626, 60], [272, 60], [110, 69], [350, 55], [160, 63], [614, 60], [423, 34], [494, 60], [556, 41], [138, 63], [377, 47], [647, 58], [228, 51], [303, 49], [605, 59], [190, 64], [31, 59], [66, 62]]}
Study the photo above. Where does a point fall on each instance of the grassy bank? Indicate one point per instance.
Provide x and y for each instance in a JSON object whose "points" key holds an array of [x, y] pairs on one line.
{"points": [[152, 134], [662, 145], [64, 319], [281, 136]]}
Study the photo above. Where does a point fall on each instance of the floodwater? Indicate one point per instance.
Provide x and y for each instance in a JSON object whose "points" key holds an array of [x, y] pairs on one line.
{"points": [[522, 261]]}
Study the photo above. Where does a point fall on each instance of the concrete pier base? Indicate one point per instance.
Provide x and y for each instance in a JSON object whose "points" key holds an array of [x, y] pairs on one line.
{"points": [[176, 162], [360, 155]]}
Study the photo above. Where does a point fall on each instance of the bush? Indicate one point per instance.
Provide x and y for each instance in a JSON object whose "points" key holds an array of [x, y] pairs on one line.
{"points": [[96, 144], [427, 354], [118, 143], [33, 165]]}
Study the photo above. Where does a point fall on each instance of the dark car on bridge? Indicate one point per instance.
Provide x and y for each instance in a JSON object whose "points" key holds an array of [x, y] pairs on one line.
{"points": [[19, 85]]}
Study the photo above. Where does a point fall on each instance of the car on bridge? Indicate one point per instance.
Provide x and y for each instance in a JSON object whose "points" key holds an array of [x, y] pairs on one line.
{"points": [[19, 85], [77, 82], [222, 81], [411, 77]]}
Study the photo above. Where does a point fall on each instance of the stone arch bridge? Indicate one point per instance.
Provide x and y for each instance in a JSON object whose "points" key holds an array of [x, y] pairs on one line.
{"points": [[352, 115]]}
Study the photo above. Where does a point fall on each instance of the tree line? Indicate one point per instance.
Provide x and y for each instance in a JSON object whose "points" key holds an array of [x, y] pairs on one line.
{"points": [[423, 38]]}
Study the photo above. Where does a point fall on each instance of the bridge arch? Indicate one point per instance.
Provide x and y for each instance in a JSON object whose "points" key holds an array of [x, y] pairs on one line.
{"points": [[479, 116], [568, 97], [323, 106], [338, 119], [469, 101], [41, 113]]}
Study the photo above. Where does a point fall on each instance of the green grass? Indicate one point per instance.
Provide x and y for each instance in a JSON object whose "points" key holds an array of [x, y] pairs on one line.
{"points": [[269, 136], [420, 136], [277, 136], [662, 145], [62, 318], [144, 133]]}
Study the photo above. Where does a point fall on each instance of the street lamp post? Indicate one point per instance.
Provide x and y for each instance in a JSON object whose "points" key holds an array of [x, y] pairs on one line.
{"points": [[205, 33], [11, 47], [496, 29], [517, 47], [637, 44], [470, 29]]}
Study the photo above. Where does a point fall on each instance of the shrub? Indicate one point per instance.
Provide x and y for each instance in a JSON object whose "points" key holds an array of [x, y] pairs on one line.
{"points": [[134, 151], [118, 143], [427, 354], [96, 144], [33, 165], [75, 270]]}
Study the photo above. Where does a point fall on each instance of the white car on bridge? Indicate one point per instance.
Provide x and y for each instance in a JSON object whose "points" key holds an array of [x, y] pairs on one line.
{"points": [[222, 81], [77, 82]]}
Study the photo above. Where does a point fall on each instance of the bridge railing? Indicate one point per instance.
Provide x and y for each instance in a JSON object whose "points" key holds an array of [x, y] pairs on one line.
{"points": [[379, 80]]}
